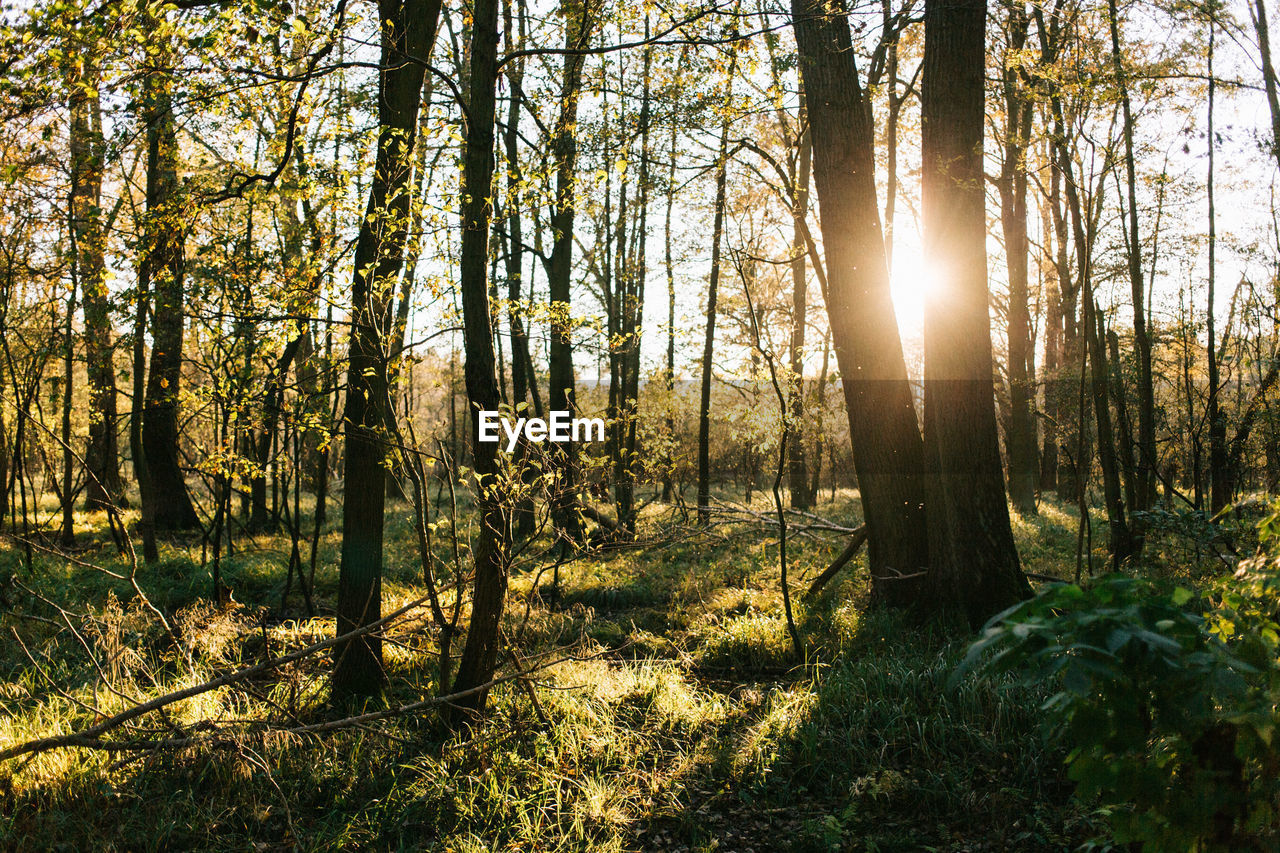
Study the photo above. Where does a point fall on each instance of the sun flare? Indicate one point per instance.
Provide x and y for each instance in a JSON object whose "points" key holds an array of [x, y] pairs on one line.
{"points": [[912, 283]]}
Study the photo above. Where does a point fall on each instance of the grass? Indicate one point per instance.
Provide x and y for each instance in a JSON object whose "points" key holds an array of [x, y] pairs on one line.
{"points": [[686, 725]]}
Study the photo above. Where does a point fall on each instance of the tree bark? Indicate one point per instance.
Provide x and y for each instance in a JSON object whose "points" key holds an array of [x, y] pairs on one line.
{"points": [[491, 551], [1020, 436], [164, 241], [633, 319], [408, 30], [580, 18], [797, 467], [884, 432], [1145, 487], [1122, 545], [1220, 480], [102, 457], [708, 345], [974, 563]]}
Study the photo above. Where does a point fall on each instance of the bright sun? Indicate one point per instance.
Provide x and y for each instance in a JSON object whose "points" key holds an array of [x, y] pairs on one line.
{"points": [[911, 284]]}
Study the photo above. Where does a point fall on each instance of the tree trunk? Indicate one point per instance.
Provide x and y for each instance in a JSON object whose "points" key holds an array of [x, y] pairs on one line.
{"points": [[797, 467], [974, 561], [165, 236], [1020, 437], [1268, 72], [1052, 359], [668, 466], [579, 21], [708, 345], [524, 382], [1121, 538], [409, 27], [102, 457], [491, 552], [1145, 487], [1219, 479], [633, 320], [884, 432]]}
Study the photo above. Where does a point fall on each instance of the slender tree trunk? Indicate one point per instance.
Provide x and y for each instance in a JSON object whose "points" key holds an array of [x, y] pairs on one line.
{"points": [[1268, 72], [974, 563], [884, 433], [1128, 462], [408, 27], [1052, 359], [1141, 340], [68, 537], [668, 468], [1121, 538], [102, 457], [523, 379], [708, 345], [165, 236], [491, 551], [579, 22], [633, 315], [1020, 437], [797, 467], [1220, 480], [146, 494]]}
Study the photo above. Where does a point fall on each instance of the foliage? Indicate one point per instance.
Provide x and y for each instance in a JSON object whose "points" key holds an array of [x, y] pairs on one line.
{"points": [[1166, 698]]}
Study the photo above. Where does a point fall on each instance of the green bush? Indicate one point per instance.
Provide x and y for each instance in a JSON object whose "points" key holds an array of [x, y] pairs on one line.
{"points": [[1166, 699]]}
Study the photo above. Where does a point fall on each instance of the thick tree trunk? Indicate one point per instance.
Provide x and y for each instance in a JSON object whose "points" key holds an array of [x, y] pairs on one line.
{"points": [[409, 28], [884, 432], [491, 551], [974, 563]]}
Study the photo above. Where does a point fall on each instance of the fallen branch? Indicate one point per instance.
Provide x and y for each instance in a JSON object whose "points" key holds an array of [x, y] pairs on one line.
{"points": [[83, 738], [89, 738], [850, 551]]}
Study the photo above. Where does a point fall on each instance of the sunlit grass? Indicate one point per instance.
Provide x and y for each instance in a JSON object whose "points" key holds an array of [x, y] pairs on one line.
{"points": [[686, 711]]}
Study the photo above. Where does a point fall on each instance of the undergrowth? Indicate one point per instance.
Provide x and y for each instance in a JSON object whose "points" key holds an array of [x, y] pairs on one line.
{"points": [[684, 723]]}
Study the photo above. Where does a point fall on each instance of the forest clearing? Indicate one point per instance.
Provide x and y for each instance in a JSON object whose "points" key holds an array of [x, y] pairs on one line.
{"points": [[676, 426]]}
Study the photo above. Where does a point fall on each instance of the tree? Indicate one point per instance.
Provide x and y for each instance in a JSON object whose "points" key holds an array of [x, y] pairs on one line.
{"points": [[166, 501], [408, 32], [580, 18], [102, 457], [1020, 435], [884, 433], [974, 562], [713, 292], [491, 551]]}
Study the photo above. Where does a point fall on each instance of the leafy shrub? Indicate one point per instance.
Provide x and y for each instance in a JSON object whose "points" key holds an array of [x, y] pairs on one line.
{"points": [[1167, 700]]}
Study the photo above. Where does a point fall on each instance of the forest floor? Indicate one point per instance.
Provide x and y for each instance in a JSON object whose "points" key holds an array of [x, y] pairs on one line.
{"points": [[683, 722]]}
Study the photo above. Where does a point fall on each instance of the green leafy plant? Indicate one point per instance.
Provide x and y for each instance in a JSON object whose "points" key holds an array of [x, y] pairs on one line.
{"points": [[1166, 699]]}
